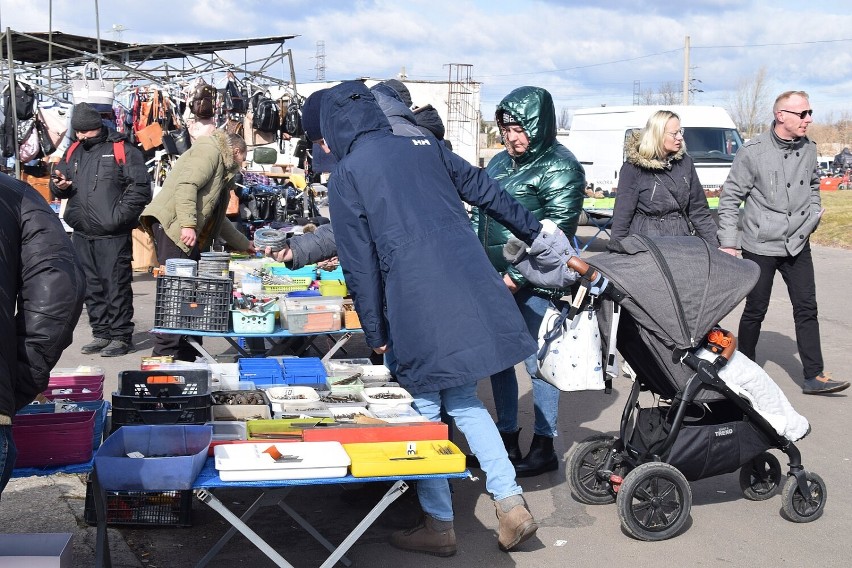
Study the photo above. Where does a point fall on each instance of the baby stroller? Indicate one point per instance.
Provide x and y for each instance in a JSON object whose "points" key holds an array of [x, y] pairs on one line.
{"points": [[669, 293]]}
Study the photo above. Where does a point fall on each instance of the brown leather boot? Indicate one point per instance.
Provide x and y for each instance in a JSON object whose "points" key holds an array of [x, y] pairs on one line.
{"points": [[516, 522], [431, 536]]}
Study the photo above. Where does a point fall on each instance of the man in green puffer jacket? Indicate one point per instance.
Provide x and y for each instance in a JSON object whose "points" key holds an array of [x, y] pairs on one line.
{"points": [[547, 179]]}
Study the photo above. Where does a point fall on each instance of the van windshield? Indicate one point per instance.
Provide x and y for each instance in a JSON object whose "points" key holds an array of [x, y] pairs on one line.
{"points": [[712, 144]]}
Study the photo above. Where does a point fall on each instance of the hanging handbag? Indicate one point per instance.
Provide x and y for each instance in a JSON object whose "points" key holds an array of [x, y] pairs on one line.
{"points": [[177, 142], [151, 136], [44, 139], [569, 355], [93, 91]]}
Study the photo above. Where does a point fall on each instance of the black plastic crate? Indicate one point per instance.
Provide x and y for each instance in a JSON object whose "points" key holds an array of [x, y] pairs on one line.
{"points": [[199, 303], [130, 410], [186, 382], [161, 509]]}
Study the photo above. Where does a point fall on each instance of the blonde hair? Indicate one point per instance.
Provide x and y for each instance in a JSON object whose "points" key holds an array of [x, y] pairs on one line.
{"points": [[785, 96], [652, 138]]}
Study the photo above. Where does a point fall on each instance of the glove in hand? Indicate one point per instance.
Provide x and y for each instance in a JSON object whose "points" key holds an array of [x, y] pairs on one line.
{"points": [[544, 264]]}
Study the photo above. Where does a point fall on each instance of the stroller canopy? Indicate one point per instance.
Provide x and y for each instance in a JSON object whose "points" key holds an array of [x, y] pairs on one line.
{"points": [[677, 288]]}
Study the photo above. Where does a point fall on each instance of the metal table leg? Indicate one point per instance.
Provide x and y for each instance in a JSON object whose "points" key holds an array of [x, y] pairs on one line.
{"points": [[102, 557], [392, 495], [200, 348], [237, 524]]}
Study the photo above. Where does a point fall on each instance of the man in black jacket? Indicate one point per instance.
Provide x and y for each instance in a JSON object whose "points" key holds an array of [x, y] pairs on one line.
{"points": [[42, 287], [106, 183]]}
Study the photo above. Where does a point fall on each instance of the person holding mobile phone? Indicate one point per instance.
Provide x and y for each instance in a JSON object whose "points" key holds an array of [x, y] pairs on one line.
{"points": [[104, 178]]}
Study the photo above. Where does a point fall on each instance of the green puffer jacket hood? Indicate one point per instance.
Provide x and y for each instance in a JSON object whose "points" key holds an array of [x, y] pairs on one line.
{"points": [[631, 149], [546, 179]]}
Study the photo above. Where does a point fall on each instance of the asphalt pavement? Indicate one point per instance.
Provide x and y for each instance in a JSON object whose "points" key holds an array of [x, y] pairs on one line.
{"points": [[724, 529]]}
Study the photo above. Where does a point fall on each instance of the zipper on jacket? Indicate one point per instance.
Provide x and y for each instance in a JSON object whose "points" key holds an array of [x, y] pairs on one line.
{"points": [[664, 266]]}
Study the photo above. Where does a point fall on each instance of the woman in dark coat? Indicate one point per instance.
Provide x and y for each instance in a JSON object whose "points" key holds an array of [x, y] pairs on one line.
{"points": [[658, 189], [413, 264]]}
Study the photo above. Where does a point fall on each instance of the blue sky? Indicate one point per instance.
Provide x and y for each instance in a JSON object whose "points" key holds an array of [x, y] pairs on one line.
{"points": [[586, 53]]}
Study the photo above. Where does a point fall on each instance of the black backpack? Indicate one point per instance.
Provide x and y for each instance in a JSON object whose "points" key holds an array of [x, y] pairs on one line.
{"points": [[266, 118], [234, 98], [293, 121], [24, 101], [203, 103]]}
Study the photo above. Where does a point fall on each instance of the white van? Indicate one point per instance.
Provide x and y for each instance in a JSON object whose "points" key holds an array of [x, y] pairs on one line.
{"points": [[597, 138]]}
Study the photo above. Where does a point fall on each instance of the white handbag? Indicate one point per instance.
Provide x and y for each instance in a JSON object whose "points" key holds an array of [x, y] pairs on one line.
{"points": [[93, 91], [569, 355]]}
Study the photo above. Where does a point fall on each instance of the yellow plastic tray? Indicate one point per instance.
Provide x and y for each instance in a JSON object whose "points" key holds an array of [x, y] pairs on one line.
{"points": [[379, 459]]}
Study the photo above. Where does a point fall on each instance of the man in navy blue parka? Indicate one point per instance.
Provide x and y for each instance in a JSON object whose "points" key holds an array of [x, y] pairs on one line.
{"points": [[413, 264]]}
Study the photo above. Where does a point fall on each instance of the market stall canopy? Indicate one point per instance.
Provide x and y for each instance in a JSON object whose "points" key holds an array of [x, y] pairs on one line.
{"points": [[47, 48]]}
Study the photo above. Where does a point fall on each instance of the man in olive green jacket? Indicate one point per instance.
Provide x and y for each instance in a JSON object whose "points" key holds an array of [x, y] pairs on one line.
{"points": [[189, 212], [546, 178]]}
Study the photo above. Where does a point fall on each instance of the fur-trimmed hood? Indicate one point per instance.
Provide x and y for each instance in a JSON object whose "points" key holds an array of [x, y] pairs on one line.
{"points": [[631, 149]]}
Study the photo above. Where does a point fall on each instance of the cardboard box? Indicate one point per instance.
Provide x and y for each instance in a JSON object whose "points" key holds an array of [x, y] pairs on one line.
{"points": [[42, 550], [144, 254]]}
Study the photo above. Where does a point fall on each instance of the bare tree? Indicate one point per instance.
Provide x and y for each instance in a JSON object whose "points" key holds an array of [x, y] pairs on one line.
{"points": [[750, 106], [670, 94], [564, 122]]}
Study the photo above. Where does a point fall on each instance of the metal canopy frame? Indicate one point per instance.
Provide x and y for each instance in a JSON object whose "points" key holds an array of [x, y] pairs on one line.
{"points": [[49, 61]]}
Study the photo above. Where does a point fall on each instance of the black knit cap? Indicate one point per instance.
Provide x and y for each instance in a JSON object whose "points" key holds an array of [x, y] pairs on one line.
{"points": [[506, 119], [85, 118]]}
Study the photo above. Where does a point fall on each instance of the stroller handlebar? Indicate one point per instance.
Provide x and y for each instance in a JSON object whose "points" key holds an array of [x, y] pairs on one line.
{"points": [[582, 267]]}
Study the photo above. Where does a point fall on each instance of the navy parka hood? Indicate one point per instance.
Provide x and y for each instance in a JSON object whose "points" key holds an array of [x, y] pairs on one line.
{"points": [[350, 111]]}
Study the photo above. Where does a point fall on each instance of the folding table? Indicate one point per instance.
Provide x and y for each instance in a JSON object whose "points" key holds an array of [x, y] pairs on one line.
{"points": [[276, 336], [273, 492], [601, 219]]}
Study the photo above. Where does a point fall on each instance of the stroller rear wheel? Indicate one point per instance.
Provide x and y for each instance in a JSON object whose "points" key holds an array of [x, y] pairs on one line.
{"points": [[654, 501], [584, 464], [761, 477], [801, 508]]}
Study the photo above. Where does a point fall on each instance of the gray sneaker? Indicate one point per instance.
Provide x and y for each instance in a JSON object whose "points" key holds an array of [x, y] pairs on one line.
{"points": [[117, 348], [823, 385], [94, 346]]}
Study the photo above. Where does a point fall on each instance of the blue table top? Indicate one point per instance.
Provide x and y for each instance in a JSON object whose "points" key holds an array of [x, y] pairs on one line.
{"points": [[277, 332], [209, 479]]}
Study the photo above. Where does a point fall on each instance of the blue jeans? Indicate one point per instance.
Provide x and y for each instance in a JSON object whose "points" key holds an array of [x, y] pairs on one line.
{"points": [[474, 421], [504, 384], [8, 453]]}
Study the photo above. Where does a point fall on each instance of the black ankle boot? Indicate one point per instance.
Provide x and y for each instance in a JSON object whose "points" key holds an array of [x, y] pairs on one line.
{"points": [[510, 441], [541, 458]]}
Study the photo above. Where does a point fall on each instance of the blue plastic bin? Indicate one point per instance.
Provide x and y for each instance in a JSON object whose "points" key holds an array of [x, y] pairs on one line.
{"points": [[178, 454], [261, 371], [303, 370]]}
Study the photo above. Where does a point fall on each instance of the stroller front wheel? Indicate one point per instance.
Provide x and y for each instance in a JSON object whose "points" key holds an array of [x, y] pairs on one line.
{"points": [[587, 482], [801, 508], [654, 501], [761, 477]]}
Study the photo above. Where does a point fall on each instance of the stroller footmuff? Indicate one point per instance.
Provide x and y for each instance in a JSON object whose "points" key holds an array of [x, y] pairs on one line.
{"points": [[673, 290]]}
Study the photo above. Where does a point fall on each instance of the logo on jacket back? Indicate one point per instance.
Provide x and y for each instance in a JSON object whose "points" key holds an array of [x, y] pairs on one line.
{"points": [[420, 142], [724, 431]]}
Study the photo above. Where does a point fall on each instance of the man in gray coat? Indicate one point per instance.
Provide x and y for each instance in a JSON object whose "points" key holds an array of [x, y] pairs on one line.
{"points": [[775, 174]]}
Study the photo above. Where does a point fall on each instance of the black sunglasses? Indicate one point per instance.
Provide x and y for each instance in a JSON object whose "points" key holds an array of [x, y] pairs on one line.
{"points": [[802, 114]]}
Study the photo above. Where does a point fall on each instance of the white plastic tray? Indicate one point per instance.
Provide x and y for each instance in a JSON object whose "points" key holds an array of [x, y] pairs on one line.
{"points": [[248, 462], [373, 397], [292, 394]]}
